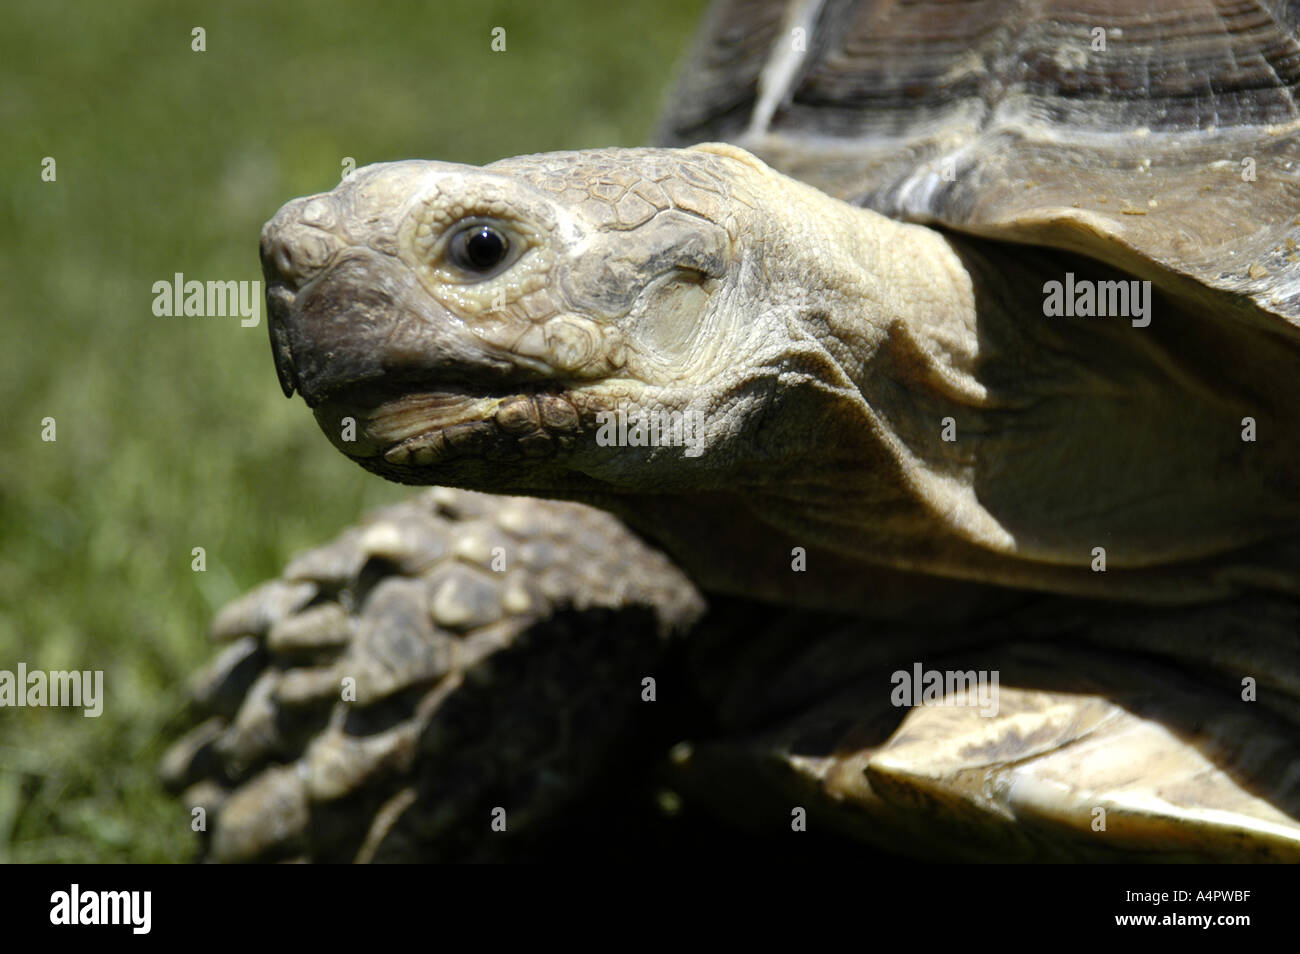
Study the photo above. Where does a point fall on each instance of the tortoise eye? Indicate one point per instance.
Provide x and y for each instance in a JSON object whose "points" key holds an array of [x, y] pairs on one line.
{"points": [[479, 248]]}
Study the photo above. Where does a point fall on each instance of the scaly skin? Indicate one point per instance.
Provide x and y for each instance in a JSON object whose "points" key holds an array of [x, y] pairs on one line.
{"points": [[822, 348], [494, 659]]}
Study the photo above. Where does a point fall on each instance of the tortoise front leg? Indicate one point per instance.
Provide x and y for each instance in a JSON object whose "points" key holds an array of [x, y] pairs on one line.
{"points": [[438, 683]]}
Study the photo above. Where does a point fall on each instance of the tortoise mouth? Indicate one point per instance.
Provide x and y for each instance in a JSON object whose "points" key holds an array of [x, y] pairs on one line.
{"points": [[279, 305], [400, 399], [422, 427], [415, 427]]}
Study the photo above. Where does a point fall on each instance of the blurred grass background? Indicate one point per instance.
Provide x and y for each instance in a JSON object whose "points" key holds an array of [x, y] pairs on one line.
{"points": [[172, 432]]}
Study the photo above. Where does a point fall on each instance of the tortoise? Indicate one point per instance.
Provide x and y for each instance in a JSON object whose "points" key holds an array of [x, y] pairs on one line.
{"points": [[902, 451]]}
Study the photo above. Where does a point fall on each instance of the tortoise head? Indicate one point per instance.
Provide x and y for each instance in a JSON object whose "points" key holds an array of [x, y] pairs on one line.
{"points": [[679, 335], [703, 345], [560, 323]]}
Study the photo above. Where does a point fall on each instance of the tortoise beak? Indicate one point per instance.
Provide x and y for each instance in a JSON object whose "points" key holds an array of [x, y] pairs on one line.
{"points": [[279, 303], [296, 246]]}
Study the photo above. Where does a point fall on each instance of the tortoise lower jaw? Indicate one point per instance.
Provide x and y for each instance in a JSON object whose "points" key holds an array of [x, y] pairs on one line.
{"points": [[421, 429]]}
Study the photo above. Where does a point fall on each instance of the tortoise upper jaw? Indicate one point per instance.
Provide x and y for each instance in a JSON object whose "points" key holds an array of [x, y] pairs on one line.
{"points": [[279, 304], [297, 245], [281, 285], [361, 329]]}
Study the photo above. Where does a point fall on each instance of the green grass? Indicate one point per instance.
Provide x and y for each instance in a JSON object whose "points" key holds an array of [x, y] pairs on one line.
{"points": [[172, 433]]}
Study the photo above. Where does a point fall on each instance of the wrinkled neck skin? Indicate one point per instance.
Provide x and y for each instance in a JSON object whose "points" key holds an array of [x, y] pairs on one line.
{"points": [[894, 403], [836, 312]]}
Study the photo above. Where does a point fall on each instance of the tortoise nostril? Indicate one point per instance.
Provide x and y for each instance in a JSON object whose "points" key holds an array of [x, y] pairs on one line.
{"points": [[283, 260], [280, 265], [277, 261], [294, 247]]}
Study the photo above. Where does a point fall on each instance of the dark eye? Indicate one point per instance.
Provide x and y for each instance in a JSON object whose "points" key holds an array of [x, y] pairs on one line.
{"points": [[480, 248]]}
